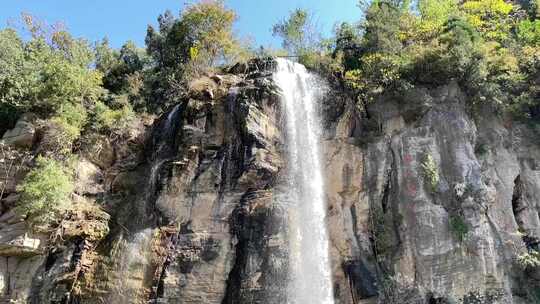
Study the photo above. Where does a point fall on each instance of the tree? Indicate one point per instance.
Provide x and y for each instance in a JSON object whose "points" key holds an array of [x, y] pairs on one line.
{"points": [[381, 27], [435, 14], [118, 67], [41, 77], [14, 82], [106, 57], [297, 32], [200, 38], [50, 74], [490, 17], [348, 45], [203, 32]]}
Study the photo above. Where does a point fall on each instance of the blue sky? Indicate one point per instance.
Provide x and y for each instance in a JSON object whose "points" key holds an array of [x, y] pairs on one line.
{"points": [[122, 20]]}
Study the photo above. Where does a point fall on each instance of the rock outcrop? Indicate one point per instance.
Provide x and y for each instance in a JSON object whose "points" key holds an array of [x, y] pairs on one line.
{"points": [[23, 134], [426, 204]]}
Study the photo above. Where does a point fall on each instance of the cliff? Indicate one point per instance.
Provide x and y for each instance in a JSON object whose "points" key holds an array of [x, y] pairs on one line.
{"points": [[428, 202]]}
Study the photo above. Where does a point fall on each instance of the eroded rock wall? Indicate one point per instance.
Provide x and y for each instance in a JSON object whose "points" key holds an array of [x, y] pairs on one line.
{"points": [[426, 204]]}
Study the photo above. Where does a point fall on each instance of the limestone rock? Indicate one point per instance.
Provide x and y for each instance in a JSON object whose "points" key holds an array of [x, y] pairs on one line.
{"points": [[89, 178], [87, 221], [22, 135], [99, 150], [15, 239]]}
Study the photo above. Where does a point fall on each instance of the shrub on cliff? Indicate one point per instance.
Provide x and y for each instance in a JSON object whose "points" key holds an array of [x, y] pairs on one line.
{"points": [[459, 227], [488, 46], [45, 73], [431, 172], [529, 260], [378, 72], [45, 191], [113, 121], [68, 124], [49, 74], [399, 290]]}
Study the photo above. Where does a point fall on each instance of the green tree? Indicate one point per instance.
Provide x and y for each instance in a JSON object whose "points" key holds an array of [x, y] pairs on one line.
{"points": [[297, 33], [461, 41], [200, 38], [381, 27], [301, 39], [348, 45], [47, 74], [41, 76], [120, 67], [107, 58], [202, 33], [14, 82]]}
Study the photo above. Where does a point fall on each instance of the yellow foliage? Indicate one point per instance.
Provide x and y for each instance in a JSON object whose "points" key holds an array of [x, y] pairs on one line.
{"points": [[499, 59], [490, 17], [378, 71], [488, 7], [213, 23], [193, 52]]}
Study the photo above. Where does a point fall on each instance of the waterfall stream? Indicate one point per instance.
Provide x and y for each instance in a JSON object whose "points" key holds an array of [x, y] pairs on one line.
{"points": [[310, 272], [135, 248]]}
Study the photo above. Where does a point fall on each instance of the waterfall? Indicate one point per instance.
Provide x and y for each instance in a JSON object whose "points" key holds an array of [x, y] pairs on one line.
{"points": [[310, 272], [134, 263], [135, 246]]}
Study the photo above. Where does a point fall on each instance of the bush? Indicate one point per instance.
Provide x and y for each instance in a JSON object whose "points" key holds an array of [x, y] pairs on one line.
{"points": [[528, 32], [377, 73], [459, 227], [114, 121], [8, 117], [381, 232], [45, 191], [72, 117], [529, 260], [65, 128]]}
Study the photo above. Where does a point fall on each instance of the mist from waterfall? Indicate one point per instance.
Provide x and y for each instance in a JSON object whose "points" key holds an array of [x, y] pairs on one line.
{"points": [[310, 271]]}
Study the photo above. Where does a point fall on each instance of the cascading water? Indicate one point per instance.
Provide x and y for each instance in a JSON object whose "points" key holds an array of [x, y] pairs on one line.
{"points": [[133, 265], [311, 279], [135, 250]]}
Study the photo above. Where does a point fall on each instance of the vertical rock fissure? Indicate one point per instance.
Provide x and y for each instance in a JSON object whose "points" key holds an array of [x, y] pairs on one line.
{"points": [[517, 205], [383, 217], [246, 230]]}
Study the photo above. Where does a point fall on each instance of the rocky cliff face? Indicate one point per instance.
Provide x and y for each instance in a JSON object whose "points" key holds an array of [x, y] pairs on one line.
{"points": [[426, 204]]}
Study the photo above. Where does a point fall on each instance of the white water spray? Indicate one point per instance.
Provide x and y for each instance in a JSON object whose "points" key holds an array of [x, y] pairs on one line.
{"points": [[311, 279], [134, 263]]}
